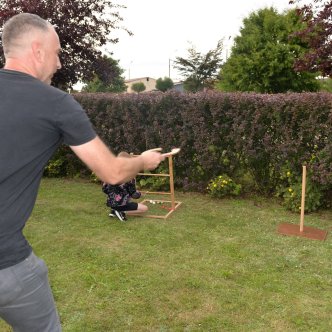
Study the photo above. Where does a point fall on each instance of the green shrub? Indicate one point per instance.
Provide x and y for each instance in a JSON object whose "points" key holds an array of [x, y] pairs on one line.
{"points": [[56, 167], [152, 183], [94, 178], [222, 186], [291, 193], [65, 163]]}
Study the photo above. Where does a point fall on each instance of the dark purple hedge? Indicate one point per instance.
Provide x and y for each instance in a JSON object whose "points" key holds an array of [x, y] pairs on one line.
{"points": [[232, 133]]}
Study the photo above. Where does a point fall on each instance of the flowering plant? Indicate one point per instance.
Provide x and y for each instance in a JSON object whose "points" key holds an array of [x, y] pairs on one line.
{"points": [[222, 186], [291, 192]]}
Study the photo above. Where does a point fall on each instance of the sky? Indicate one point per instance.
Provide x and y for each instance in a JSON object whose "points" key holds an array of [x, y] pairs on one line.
{"points": [[166, 29]]}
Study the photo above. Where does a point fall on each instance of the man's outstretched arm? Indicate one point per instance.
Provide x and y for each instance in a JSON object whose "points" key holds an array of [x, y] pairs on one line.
{"points": [[111, 169]]}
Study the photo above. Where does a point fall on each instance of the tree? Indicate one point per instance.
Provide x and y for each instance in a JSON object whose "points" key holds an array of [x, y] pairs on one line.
{"points": [[83, 27], [200, 70], [164, 84], [317, 33], [107, 77], [138, 87], [263, 56]]}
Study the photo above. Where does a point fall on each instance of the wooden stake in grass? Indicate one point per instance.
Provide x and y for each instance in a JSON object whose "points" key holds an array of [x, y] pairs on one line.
{"points": [[308, 232], [304, 176]]}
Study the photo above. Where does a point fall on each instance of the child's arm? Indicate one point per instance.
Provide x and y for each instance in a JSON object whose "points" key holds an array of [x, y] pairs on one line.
{"points": [[105, 188], [116, 195], [136, 195], [131, 187]]}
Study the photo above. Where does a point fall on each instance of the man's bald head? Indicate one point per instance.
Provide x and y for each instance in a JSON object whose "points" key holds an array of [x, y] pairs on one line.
{"points": [[17, 30]]}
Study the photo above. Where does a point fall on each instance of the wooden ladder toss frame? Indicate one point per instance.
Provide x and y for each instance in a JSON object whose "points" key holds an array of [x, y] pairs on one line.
{"points": [[174, 204]]}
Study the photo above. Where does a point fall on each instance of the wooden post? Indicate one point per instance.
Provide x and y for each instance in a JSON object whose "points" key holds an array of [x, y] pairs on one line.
{"points": [[171, 181], [304, 174], [296, 230]]}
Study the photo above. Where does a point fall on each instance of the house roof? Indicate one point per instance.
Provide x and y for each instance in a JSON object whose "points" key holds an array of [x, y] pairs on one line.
{"points": [[139, 79]]}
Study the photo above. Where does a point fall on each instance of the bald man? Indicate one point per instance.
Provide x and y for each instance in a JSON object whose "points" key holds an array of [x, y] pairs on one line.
{"points": [[35, 118]]}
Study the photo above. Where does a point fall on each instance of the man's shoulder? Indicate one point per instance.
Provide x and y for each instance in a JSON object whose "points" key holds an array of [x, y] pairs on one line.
{"points": [[32, 85]]}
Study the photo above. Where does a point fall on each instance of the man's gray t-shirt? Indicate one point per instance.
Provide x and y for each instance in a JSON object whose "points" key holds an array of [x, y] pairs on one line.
{"points": [[35, 119]]}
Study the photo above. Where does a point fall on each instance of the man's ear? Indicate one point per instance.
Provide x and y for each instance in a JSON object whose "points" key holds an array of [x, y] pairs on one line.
{"points": [[37, 51]]}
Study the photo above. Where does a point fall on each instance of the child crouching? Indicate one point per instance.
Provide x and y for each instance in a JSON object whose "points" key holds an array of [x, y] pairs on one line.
{"points": [[119, 197]]}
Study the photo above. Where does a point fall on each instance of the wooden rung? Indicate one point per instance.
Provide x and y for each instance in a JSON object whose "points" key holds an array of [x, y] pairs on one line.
{"points": [[154, 216], [152, 174], [177, 204], [156, 192]]}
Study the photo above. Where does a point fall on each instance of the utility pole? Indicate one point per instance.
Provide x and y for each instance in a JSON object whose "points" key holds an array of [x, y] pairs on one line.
{"points": [[169, 64], [129, 70]]}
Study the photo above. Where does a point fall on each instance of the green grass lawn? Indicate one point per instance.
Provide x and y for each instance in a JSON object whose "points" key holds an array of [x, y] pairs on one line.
{"points": [[213, 265]]}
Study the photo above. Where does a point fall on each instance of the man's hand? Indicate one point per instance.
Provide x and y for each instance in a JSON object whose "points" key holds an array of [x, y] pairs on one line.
{"points": [[152, 158]]}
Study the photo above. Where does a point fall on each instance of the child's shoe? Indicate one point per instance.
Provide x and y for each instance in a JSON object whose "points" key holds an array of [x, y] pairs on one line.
{"points": [[112, 214], [121, 215]]}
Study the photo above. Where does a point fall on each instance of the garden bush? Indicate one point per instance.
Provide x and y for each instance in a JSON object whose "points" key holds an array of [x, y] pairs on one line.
{"points": [[291, 191], [221, 133], [222, 186]]}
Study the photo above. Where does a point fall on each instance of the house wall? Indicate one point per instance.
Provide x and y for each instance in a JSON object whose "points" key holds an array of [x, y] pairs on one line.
{"points": [[150, 84]]}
